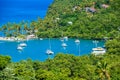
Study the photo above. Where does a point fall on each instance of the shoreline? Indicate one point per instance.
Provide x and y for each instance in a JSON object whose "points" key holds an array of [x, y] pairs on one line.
{"points": [[12, 39]]}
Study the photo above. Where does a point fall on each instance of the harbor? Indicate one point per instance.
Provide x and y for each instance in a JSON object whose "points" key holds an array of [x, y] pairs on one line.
{"points": [[37, 49]]}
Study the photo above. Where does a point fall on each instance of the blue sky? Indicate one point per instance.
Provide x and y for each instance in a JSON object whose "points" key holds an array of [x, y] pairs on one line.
{"points": [[23, 6], [42, 4], [12, 10]]}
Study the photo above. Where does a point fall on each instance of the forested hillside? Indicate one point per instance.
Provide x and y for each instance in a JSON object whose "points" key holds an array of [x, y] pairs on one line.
{"points": [[90, 18]]}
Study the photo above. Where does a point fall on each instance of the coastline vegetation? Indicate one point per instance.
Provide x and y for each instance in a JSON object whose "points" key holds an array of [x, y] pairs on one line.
{"points": [[72, 18]]}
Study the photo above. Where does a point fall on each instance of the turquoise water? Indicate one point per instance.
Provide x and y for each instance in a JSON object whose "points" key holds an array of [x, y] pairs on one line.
{"points": [[36, 49], [28, 10]]}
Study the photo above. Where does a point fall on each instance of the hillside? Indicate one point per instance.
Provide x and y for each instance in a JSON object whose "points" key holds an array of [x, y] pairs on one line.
{"points": [[103, 21]]}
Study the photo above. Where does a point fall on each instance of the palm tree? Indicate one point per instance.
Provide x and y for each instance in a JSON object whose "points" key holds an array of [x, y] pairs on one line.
{"points": [[17, 28], [32, 26], [102, 71], [4, 29], [26, 29]]}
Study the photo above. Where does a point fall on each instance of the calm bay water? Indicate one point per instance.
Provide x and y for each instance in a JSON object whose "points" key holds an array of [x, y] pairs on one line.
{"points": [[28, 10], [19, 10], [36, 49]]}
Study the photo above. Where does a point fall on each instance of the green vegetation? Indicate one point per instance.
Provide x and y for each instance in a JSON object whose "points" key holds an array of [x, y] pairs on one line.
{"points": [[4, 61], [113, 46]]}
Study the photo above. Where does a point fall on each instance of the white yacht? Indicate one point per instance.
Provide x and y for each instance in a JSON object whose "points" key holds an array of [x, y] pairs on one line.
{"points": [[98, 51]]}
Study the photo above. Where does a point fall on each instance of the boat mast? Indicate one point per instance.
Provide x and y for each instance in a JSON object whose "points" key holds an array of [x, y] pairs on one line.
{"points": [[79, 49], [49, 44]]}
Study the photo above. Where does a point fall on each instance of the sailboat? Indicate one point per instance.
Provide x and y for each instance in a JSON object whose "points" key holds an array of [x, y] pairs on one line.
{"points": [[64, 44], [20, 48], [63, 39], [77, 41], [49, 51], [23, 44]]}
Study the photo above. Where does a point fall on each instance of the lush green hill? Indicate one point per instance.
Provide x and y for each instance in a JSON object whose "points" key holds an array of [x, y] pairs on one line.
{"points": [[103, 22]]}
